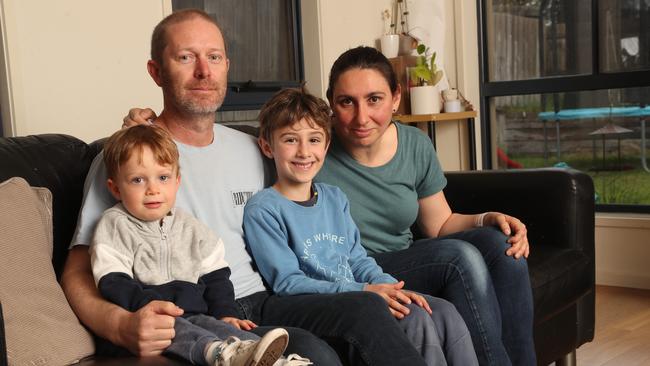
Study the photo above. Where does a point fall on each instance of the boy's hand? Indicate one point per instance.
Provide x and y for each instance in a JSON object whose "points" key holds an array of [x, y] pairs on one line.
{"points": [[418, 299], [244, 324], [394, 296]]}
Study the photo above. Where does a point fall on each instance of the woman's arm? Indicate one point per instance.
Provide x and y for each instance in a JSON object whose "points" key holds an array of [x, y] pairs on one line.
{"points": [[435, 219]]}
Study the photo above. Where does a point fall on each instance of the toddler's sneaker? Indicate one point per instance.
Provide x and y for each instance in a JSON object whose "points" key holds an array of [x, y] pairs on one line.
{"points": [[293, 360], [265, 352]]}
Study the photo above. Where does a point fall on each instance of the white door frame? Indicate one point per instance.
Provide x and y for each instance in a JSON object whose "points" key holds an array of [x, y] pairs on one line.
{"points": [[8, 126]]}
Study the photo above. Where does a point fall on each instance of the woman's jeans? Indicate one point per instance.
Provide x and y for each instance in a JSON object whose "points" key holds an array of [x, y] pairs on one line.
{"points": [[491, 290], [359, 319]]}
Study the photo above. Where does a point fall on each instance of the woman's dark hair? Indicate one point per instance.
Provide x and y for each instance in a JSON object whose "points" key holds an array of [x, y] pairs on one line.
{"points": [[361, 57]]}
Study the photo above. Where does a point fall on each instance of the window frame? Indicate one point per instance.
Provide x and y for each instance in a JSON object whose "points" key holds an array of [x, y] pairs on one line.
{"points": [[251, 95], [595, 80]]}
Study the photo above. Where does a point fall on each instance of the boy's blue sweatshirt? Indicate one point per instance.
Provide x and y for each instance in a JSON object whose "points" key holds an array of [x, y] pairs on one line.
{"points": [[303, 250]]}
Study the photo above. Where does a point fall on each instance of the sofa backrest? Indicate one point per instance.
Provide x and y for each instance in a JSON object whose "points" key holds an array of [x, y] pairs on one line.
{"points": [[59, 163]]}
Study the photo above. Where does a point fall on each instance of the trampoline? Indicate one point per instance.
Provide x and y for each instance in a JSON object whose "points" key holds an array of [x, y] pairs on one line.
{"points": [[605, 112]]}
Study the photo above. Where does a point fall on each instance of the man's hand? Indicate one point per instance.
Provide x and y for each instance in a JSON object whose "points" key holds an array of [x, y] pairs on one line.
{"points": [[515, 229], [243, 324], [138, 116], [394, 296], [150, 330]]}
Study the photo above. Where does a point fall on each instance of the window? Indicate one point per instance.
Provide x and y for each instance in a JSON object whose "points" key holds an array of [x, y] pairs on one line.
{"points": [[264, 45], [567, 83]]}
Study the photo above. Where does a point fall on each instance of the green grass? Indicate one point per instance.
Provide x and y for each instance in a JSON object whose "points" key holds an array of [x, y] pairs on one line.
{"points": [[628, 186]]}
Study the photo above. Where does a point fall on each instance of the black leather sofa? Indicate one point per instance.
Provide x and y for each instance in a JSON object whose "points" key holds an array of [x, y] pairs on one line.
{"points": [[556, 204]]}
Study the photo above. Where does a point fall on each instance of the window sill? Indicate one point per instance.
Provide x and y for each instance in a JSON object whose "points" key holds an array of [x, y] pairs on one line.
{"points": [[623, 220]]}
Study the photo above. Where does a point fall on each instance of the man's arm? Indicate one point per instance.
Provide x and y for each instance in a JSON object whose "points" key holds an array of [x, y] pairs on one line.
{"points": [[147, 332]]}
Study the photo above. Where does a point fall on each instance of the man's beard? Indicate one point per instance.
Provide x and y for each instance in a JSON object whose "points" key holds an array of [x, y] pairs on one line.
{"points": [[184, 102], [195, 106]]}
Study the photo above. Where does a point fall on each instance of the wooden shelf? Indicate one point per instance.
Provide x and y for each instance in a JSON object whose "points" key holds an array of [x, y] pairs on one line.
{"points": [[412, 118], [431, 119]]}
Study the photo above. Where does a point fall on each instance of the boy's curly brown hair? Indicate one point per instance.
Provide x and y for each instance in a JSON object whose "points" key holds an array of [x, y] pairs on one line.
{"points": [[291, 105], [128, 141]]}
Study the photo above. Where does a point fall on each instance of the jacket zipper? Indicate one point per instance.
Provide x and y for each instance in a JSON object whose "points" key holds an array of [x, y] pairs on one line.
{"points": [[165, 250]]}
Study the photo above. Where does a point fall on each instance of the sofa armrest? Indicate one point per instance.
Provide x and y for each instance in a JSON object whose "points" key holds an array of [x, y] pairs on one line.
{"points": [[557, 205], [3, 343]]}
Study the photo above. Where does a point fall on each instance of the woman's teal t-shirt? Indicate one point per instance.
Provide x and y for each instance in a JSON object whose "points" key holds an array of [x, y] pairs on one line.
{"points": [[384, 199]]}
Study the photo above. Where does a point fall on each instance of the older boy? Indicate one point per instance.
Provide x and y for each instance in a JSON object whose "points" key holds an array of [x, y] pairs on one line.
{"points": [[145, 249], [304, 241]]}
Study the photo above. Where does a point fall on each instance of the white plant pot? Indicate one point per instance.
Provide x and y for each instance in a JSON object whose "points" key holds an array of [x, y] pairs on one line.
{"points": [[425, 99], [389, 45]]}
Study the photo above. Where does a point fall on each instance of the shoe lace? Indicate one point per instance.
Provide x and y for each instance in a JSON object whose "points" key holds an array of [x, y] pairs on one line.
{"points": [[234, 347], [293, 360]]}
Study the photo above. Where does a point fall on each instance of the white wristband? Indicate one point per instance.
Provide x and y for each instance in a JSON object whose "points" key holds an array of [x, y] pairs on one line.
{"points": [[479, 219]]}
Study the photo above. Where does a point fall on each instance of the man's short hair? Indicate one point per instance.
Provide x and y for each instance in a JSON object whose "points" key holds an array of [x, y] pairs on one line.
{"points": [[159, 35], [121, 146], [291, 105]]}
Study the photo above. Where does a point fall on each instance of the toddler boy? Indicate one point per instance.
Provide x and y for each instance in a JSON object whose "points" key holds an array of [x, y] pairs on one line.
{"points": [[145, 249]]}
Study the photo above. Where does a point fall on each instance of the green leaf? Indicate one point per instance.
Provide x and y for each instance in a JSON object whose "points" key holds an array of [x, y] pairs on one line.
{"points": [[425, 69], [436, 77]]}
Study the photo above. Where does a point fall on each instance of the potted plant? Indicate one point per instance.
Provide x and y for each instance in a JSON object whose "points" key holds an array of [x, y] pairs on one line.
{"points": [[423, 79]]}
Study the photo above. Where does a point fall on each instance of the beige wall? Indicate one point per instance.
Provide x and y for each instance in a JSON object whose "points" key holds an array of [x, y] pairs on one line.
{"points": [[76, 66], [623, 250], [333, 26]]}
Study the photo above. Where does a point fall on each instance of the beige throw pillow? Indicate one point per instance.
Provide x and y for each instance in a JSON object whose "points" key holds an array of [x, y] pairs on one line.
{"points": [[40, 327]]}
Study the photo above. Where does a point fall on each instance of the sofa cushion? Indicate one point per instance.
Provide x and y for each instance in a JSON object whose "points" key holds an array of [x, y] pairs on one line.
{"points": [[40, 327]]}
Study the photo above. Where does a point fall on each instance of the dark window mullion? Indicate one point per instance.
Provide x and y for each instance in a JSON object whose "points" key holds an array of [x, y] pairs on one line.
{"points": [[484, 77], [595, 36], [297, 40], [619, 80]]}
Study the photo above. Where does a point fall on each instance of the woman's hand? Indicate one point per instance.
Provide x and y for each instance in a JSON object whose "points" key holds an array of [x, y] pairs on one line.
{"points": [[243, 324], [394, 296], [512, 227], [138, 116]]}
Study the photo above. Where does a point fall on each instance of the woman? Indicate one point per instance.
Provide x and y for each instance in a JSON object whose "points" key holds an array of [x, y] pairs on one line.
{"points": [[393, 179]]}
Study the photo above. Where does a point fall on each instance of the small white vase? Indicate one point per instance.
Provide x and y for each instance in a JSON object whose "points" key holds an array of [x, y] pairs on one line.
{"points": [[425, 99], [389, 45]]}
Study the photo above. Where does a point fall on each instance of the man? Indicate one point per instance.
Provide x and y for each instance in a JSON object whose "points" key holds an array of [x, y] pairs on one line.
{"points": [[221, 168]]}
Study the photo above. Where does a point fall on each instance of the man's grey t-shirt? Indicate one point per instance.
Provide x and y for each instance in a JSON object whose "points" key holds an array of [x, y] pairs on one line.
{"points": [[216, 182]]}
